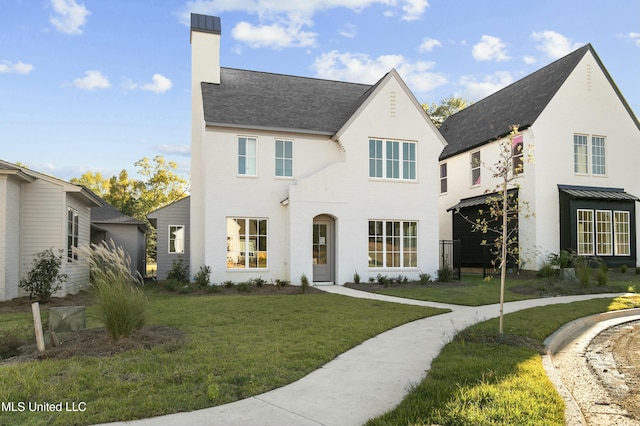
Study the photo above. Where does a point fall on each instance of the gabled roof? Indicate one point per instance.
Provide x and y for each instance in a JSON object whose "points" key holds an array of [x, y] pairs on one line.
{"points": [[107, 214], [260, 100], [517, 104]]}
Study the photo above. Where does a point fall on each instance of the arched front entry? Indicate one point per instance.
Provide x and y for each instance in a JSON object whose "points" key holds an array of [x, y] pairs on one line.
{"points": [[323, 249]]}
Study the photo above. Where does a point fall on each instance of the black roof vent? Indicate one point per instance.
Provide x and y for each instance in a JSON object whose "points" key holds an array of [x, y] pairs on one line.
{"points": [[205, 23]]}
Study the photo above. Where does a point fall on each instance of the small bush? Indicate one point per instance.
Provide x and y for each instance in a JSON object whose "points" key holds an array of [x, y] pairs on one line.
{"points": [[356, 277], [185, 289], [203, 277], [445, 274], [213, 289], [170, 285], [258, 282], [623, 269], [282, 283], [425, 278], [228, 284], [44, 278], [402, 279], [383, 280], [584, 275], [304, 284], [179, 271], [121, 302], [244, 287], [603, 277], [372, 280], [547, 271]]}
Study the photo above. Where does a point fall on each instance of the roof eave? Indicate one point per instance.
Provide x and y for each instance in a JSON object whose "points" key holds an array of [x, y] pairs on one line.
{"points": [[270, 128]]}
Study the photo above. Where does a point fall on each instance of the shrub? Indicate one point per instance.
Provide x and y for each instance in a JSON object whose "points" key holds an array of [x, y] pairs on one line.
{"points": [[282, 283], [228, 284], [258, 282], [547, 271], [203, 276], [121, 301], [170, 285], [383, 280], [372, 280], [603, 278], [638, 270], [402, 279], [584, 275], [623, 269], [356, 277], [304, 284], [563, 259], [44, 278], [244, 287], [179, 271], [445, 274], [424, 278]]}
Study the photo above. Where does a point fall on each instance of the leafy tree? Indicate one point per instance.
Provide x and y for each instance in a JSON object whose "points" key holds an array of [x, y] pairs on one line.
{"points": [[45, 277], [447, 106]]}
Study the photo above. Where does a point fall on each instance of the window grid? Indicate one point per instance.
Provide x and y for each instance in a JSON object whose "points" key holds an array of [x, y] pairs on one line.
{"points": [[598, 155], [392, 160], [393, 244], [246, 243], [284, 158], [585, 232], [622, 232], [604, 243], [580, 154], [247, 153]]}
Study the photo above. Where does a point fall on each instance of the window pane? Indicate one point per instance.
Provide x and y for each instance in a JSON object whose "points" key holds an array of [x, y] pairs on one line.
{"points": [[580, 154], [284, 158], [247, 156], [622, 233], [375, 244], [598, 155], [375, 158], [604, 244], [393, 160], [475, 168], [408, 160], [585, 232], [443, 178]]}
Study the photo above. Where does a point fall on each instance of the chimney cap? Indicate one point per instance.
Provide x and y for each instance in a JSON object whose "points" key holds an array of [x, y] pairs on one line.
{"points": [[205, 23]]}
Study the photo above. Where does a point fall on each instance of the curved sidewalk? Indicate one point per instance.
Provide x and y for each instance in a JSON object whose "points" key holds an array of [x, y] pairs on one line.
{"points": [[362, 383]]}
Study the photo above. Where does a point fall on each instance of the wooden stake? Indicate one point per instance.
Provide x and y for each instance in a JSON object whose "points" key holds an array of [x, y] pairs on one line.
{"points": [[37, 324]]}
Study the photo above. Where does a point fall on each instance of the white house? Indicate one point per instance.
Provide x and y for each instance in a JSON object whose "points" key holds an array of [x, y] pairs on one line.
{"points": [[39, 212], [583, 184], [295, 175]]}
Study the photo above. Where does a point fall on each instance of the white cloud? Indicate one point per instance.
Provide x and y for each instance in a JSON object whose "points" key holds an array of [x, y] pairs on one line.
{"points": [[349, 31], [20, 67], [275, 35], [69, 17], [284, 23], [182, 150], [554, 45], [529, 60], [159, 84], [490, 48], [92, 80], [428, 44], [635, 37], [359, 67], [475, 90]]}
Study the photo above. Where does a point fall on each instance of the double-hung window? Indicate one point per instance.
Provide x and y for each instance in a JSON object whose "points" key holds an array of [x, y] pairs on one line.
{"points": [[393, 244], [475, 168], [247, 156], [246, 243], [604, 237], [392, 160], [284, 158], [622, 233], [603, 232], [585, 232], [73, 220], [517, 157], [589, 155], [176, 239], [443, 178]]}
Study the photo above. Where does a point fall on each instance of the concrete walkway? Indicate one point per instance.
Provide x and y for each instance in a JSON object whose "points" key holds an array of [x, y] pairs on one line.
{"points": [[362, 383]]}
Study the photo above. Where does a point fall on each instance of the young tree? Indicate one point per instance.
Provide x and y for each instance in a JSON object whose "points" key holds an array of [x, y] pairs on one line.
{"points": [[504, 208]]}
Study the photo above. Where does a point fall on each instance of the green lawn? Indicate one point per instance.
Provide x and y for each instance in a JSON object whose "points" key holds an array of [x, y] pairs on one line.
{"points": [[236, 346], [482, 379], [474, 291]]}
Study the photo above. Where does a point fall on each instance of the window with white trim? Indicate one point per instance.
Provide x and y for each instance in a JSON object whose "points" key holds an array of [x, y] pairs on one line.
{"points": [[443, 178], [246, 243], [73, 221], [604, 237], [585, 232], [476, 177], [622, 233], [176, 239], [284, 158], [589, 155], [517, 154], [247, 156], [392, 160], [393, 244]]}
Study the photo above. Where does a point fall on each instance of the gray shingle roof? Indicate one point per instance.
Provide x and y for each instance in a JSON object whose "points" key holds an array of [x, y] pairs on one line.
{"points": [[109, 214], [259, 100], [519, 103]]}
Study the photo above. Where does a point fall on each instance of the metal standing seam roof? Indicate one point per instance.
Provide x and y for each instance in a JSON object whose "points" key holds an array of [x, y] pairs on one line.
{"points": [[591, 193], [260, 100], [480, 200]]}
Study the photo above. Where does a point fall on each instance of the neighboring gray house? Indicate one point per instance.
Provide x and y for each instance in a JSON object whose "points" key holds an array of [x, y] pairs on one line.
{"points": [[109, 223], [39, 212], [172, 223]]}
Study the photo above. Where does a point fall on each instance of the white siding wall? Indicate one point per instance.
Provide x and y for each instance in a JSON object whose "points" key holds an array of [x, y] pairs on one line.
{"points": [[9, 238], [77, 271]]}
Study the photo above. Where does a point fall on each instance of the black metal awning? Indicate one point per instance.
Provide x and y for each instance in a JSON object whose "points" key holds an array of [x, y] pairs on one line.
{"points": [[596, 193]]}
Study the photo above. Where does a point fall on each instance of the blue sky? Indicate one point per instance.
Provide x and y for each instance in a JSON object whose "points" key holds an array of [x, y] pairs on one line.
{"points": [[94, 85]]}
